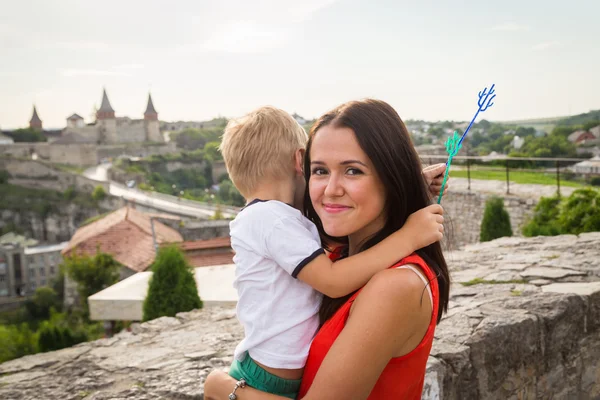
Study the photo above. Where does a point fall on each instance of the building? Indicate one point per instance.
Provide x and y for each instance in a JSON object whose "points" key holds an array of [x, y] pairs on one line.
{"points": [[75, 121], [35, 122], [582, 137], [129, 236], [5, 139], [24, 266], [181, 125], [43, 264], [589, 167], [110, 129], [210, 252]]}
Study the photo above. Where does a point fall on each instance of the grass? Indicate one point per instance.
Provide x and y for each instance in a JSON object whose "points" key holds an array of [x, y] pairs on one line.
{"points": [[479, 281], [524, 177], [68, 168]]}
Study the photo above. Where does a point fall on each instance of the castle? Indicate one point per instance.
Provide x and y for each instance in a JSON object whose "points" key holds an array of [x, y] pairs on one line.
{"points": [[107, 129]]}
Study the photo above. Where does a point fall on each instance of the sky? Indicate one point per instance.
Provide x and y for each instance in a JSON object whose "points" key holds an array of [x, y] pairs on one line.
{"points": [[202, 59]]}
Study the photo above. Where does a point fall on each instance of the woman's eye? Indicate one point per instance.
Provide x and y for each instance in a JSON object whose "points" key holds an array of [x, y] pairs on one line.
{"points": [[318, 171], [353, 171]]}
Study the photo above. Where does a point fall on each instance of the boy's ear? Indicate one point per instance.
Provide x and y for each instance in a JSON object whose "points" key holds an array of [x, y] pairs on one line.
{"points": [[298, 160]]}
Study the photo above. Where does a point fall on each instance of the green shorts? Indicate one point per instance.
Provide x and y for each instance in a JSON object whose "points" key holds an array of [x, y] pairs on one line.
{"points": [[260, 379]]}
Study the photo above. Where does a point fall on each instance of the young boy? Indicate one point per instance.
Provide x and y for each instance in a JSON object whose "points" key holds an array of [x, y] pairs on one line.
{"points": [[281, 267]]}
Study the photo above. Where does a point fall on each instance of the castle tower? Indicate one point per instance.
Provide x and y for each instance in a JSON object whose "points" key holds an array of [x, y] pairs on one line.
{"points": [[35, 122], [151, 123], [105, 119]]}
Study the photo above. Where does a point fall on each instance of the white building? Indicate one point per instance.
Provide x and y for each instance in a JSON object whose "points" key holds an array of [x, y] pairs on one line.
{"points": [[5, 139], [588, 167]]}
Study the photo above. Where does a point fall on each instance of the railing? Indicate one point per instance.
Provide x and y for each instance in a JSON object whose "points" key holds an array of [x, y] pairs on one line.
{"points": [[502, 163]]}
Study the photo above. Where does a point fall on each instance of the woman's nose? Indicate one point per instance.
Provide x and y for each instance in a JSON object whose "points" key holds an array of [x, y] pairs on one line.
{"points": [[334, 187]]}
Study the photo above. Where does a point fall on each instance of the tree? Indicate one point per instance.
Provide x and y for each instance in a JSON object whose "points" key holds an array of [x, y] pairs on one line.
{"points": [[545, 218], [27, 135], [17, 341], [43, 300], [211, 152], [496, 221], [91, 273], [99, 193], [4, 177], [580, 212], [172, 287]]}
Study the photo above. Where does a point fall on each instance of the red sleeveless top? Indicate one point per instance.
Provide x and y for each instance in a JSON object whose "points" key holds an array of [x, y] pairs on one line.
{"points": [[403, 377]]}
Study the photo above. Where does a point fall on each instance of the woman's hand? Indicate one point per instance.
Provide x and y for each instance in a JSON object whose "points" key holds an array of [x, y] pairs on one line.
{"points": [[219, 385]]}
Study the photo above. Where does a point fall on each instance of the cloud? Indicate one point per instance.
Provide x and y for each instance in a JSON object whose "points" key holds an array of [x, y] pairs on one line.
{"points": [[71, 72], [79, 45], [546, 45], [510, 27], [248, 27], [117, 70], [244, 37], [129, 66]]}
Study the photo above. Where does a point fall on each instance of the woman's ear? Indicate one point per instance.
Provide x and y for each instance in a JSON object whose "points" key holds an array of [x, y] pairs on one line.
{"points": [[298, 160]]}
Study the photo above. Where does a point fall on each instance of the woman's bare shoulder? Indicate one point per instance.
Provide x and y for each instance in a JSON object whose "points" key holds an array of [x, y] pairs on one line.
{"points": [[390, 291]]}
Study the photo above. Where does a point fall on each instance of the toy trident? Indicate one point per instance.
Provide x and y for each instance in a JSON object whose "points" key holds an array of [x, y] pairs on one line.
{"points": [[454, 142]]}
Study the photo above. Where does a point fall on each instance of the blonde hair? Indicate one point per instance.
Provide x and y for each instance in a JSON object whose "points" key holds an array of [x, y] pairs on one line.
{"points": [[261, 145]]}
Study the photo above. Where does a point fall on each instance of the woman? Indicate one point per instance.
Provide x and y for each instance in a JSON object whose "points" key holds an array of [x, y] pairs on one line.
{"points": [[364, 180]]}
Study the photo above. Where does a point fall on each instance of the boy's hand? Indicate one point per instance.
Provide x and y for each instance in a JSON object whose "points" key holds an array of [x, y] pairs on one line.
{"points": [[434, 176], [425, 226]]}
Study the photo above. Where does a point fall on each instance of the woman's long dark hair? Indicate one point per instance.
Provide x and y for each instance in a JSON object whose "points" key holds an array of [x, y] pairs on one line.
{"points": [[383, 137]]}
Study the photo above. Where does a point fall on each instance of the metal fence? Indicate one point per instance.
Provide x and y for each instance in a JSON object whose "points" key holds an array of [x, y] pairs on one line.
{"points": [[546, 166]]}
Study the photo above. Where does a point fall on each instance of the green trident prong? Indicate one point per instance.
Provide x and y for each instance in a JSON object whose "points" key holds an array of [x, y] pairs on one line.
{"points": [[453, 145]]}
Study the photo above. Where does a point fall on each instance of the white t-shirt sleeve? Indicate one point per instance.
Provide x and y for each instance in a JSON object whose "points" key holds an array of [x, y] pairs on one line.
{"points": [[292, 245]]}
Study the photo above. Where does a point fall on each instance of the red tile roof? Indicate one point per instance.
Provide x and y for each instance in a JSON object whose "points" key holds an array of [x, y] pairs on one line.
{"points": [[208, 260], [205, 253], [216, 243], [126, 234]]}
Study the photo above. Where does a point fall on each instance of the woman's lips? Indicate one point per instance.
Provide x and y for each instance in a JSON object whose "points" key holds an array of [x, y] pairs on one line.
{"points": [[335, 208]]}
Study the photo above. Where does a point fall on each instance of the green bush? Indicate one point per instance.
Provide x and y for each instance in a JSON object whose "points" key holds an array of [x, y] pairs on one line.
{"points": [[16, 341], [99, 193], [595, 181], [172, 287], [40, 304], [496, 221], [91, 273], [545, 218], [4, 176], [578, 213]]}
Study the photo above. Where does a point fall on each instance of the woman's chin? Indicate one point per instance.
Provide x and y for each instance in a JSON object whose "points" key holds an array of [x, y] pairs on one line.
{"points": [[335, 231]]}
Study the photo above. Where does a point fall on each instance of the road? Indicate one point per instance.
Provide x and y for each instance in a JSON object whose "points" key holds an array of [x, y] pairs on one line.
{"points": [[159, 201]]}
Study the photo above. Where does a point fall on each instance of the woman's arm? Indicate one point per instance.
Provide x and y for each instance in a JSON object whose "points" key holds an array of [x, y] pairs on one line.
{"points": [[385, 317]]}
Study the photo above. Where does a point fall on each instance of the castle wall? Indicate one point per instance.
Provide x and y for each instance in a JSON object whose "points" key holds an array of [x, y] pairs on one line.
{"points": [[89, 132], [135, 149], [153, 131], [25, 150], [107, 130], [130, 132], [75, 154]]}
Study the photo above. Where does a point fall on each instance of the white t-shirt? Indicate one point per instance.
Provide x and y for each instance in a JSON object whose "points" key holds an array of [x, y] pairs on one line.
{"points": [[273, 242]]}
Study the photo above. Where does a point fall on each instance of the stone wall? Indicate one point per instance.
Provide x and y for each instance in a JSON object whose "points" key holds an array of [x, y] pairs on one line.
{"points": [[74, 154], [464, 213], [25, 150], [36, 174], [56, 226], [523, 323], [199, 230], [136, 149]]}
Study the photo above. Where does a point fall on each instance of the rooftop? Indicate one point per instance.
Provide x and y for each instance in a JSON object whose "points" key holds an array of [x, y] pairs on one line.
{"points": [[126, 234]]}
